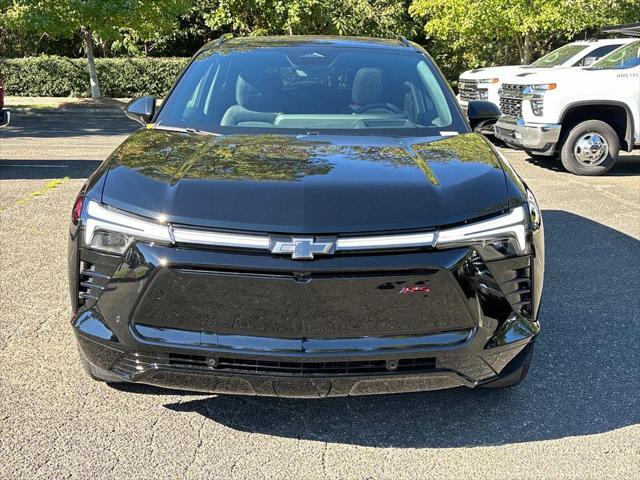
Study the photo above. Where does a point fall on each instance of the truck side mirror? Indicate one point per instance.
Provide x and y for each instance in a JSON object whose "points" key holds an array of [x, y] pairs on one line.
{"points": [[5, 117], [141, 109], [481, 113]]}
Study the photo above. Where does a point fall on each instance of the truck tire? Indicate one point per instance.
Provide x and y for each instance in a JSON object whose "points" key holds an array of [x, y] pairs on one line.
{"points": [[591, 148]]}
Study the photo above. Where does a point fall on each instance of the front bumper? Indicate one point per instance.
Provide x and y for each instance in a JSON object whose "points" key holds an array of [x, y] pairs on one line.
{"points": [[540, 138], [152, 318]]}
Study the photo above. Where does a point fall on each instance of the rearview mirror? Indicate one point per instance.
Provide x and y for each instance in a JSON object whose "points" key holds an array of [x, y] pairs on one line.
{"points": [[5, 116], [141, 109], [482, 113]]}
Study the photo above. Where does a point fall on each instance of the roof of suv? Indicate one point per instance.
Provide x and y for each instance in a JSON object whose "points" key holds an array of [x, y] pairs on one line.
{"points": [[242, 43]]}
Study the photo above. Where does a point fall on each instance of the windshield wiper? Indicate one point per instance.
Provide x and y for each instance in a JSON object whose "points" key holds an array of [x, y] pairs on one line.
{"points": [[197, 131]]}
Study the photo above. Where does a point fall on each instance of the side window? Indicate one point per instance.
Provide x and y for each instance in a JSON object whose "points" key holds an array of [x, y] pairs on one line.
{"points": [[595, 55], [437, 95]]}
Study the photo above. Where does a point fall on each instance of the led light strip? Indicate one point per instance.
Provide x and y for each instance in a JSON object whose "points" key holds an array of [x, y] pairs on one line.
{"points": [[102, 218], [201, 237], [511, 224], [386, 241]]}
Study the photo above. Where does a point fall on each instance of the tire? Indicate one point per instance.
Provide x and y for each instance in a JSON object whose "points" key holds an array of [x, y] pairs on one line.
{"points": [[604, 146], [515, 371]]}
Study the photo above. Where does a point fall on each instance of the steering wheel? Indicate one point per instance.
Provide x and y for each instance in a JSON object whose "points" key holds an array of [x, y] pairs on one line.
{"points": [[389, 107]]}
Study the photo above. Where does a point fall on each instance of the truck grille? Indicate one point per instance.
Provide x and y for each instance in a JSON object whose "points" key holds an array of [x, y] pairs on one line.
{"points": [[468, 90], [511, 100]]}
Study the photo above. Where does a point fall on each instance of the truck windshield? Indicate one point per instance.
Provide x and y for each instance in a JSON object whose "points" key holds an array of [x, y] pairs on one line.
{"points": [[313, 88], [624, 57], [558, 56]]}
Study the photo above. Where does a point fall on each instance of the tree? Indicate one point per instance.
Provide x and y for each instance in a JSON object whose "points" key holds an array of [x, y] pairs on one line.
{"points": [[477, 29], [93, 20], [307, 17]]}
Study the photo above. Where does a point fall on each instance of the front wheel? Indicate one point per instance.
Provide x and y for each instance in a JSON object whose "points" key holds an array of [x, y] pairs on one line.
{"points": [[591, 148]]}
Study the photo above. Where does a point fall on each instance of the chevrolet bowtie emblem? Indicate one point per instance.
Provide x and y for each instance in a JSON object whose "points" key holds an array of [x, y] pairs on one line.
{"points": [[302, 248]]}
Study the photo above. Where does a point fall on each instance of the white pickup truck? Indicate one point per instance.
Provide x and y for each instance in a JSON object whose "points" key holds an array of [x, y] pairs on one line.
{"points": [[484, 83], [586, 115]]}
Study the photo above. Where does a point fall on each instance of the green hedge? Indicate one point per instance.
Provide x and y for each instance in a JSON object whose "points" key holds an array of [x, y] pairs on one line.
{"points": [[51, 76]]}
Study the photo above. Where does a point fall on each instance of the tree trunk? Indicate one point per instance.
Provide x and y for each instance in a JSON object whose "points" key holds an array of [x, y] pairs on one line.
{"points": [[87, 37], [520, 48], [527, 49]]}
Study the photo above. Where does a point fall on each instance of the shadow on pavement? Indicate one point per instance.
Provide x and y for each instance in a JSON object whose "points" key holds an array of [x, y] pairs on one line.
{"points": [[627, 165], [44, 169], [52, 123], [583, 380]]}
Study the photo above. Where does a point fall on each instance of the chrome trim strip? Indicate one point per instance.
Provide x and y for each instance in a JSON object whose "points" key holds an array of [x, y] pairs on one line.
{"points": [[302, 346]]}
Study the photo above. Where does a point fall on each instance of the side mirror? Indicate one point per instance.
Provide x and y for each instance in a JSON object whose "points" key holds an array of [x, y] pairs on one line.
{"points": [[5, 116], [141, 109], [481, 113]]}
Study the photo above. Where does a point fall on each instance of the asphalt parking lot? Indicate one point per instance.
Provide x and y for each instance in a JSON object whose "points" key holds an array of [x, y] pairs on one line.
{"points": [[577, 415]]}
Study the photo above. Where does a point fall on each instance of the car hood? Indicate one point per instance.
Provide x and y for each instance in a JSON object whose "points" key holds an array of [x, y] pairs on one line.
{"points": [[488, 72], [536, 76], [307, 184]]}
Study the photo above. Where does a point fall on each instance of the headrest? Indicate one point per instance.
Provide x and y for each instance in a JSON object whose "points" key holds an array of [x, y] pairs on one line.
{"points": [[256, 90], [367, 86]]}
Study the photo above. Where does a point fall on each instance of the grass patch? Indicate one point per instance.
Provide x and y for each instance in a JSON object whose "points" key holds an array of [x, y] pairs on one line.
{"points": [[55, 183]]}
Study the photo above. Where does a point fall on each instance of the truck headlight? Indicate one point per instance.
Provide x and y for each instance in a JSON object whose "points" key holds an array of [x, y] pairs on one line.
{"points": [[538, 90], [488, 80]]}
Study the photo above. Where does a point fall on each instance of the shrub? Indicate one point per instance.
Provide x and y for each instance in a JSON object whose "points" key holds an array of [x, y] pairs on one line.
{"points": [[50, 76]]}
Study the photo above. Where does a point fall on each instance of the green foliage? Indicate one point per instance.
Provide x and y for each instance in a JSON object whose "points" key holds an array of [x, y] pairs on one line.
{"points": [[106, 19], [460, 34], [60, 76], [307, 17], [481, 32]]}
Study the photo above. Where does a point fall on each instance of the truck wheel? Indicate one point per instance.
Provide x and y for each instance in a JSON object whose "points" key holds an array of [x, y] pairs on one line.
{"points": [[591, 148]]}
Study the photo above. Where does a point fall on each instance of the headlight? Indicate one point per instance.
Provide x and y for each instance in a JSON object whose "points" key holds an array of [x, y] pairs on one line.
{"points": [[538, 90], [489, 80], [111, 231], [511, 227]]}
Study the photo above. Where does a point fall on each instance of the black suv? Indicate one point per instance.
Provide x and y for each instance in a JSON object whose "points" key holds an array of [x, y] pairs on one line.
{"points": [[307, 216]]}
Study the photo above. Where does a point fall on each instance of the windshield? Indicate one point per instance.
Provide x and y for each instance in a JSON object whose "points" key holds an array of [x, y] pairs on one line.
{"points": [[624, 57], [311, 89], [558, 56]]}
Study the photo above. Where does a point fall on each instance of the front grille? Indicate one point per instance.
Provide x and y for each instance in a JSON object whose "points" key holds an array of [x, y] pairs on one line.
{"points": [[468, 90], [135, 363], [511, 100]]}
